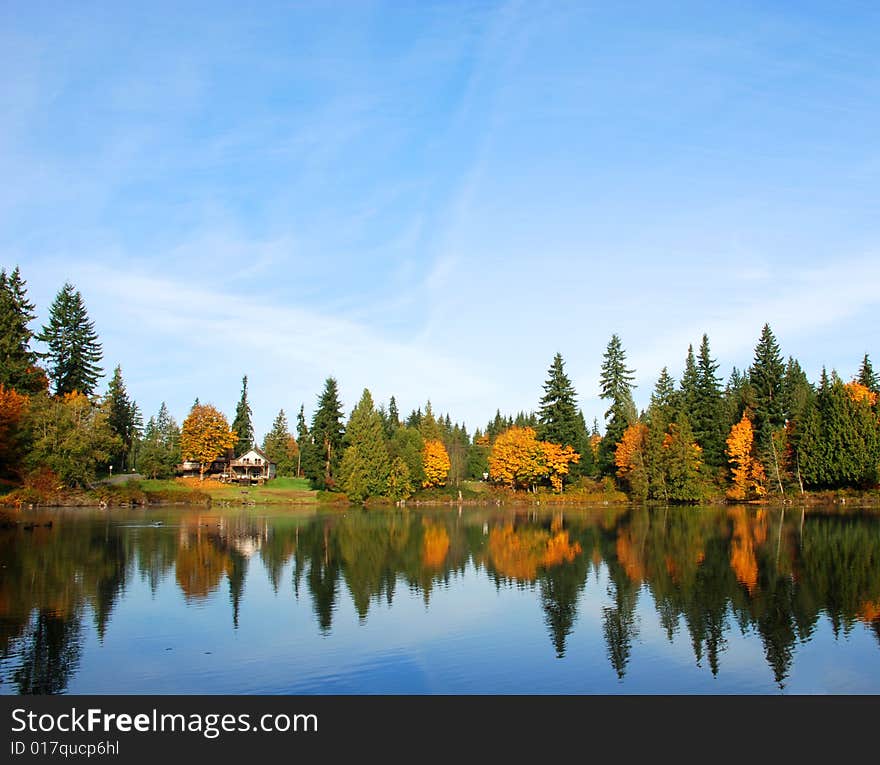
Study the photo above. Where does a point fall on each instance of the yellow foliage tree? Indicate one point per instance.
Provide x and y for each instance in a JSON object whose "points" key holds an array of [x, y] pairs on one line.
{"points": [[858, 392], [205, 435], [518, 458], [629, 457], [748, 472], [436, 463]]}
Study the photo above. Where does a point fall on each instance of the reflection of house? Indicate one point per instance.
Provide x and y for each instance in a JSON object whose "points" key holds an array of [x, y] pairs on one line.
{"points": [[252, 466]]}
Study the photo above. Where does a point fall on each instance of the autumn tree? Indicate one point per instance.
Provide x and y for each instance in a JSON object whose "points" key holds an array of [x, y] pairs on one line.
{"points": [[747, 471], [630, 460], [519, 460], [242, 425], [13, 410], [71, 436], [18, 362], [616, 382], [365, 465], [205, 436], [435, 462], [74, 352]]}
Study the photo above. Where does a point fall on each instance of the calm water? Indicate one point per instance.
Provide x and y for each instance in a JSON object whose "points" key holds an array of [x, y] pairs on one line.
{"points": [[591, 600]]}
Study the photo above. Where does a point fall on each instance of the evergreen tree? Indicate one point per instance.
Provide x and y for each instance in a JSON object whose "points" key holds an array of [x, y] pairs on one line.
{"points": [[707, 415], [303, 440], [867, 376], [558, 412], [74, 352], [365, 465], [278, 446], [327, 432], [393, 414], [616, 382], [428, 426], [765, 377], [689, 379], [18, 363], [123, 417], [159, 452], [407, 445], [242, 425], [664, 396]]}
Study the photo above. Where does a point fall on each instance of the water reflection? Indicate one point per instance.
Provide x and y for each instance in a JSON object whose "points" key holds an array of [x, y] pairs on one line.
{"points": [[710, 572]]}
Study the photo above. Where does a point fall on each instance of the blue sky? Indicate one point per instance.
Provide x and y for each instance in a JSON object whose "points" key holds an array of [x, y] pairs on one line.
{"points": [[431, 199]]}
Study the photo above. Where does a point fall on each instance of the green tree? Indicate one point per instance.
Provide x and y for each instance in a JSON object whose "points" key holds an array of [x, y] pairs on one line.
{"points": [[689, 380], [303, 440], [242, 425], [18, 363], [124, 419], [558, 413], [326, 433], [399, 480], [159, 452], [365, 465], [74, 352], [766, 379], [407, 445], [616, 381], [707, 415], [867, 376], [278, 445]]}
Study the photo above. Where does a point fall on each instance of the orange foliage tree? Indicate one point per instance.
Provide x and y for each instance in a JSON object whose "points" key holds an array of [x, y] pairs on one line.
{"points": [[518, 458], [748, 472], [205, 435], [436, 463], [629, 457], [12, 410]]}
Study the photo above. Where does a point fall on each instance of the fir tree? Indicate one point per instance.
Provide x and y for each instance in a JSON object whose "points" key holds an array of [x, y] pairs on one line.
{"points": [[123, 418], [277, 445], [365, 465], [74, 352], [706, 415], [616, 382], [242, 425], [159, 451], [867, 376], [765, 377], [327, 432], [558, 412], [18, 363], [689, 378], [393, 414], [303, 439]]}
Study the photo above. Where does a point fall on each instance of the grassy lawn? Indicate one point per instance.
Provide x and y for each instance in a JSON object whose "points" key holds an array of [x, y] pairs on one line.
{"points": [[279, 490]]}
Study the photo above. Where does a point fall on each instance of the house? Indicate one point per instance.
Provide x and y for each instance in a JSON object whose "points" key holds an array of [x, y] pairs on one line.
{"points": [[252, 467]]}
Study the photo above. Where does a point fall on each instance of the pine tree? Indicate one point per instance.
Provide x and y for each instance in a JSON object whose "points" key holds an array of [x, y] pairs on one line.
{"points": [[558, 412], [428, 426], [74, 352], [707, 415], [123, 416], [393, 414], [365, 465], [327, 432], [277, 446], [616, 382], [242, 424], [18, 363], [868, 377]]}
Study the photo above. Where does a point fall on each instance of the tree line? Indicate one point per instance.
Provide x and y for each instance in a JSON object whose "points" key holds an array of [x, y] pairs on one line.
{"points": [[767, 430]]}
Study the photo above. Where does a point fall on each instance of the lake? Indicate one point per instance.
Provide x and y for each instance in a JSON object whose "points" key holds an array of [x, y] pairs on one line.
{"points": [[606, 599]]}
